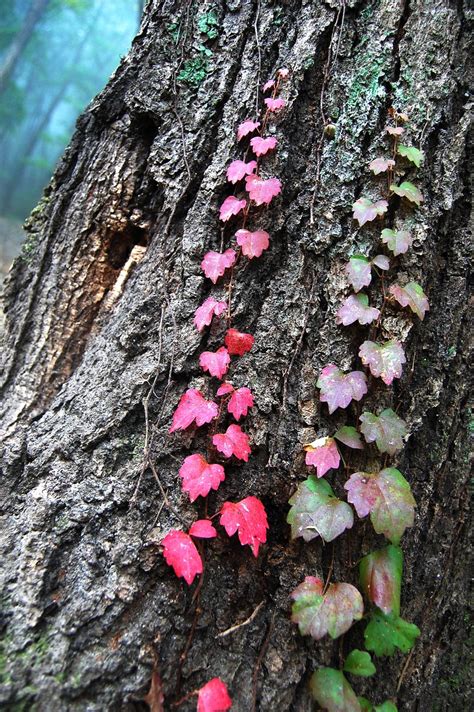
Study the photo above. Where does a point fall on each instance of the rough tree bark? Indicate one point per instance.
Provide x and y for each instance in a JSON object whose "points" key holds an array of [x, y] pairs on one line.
{"points": [[100, 304]]}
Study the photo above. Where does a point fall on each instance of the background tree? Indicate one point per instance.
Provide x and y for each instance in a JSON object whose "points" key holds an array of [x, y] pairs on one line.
{"points": [[100, 346]]}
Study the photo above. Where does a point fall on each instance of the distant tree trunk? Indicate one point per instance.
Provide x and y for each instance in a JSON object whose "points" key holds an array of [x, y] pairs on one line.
{"points": [[20, 41], [99, 307]]}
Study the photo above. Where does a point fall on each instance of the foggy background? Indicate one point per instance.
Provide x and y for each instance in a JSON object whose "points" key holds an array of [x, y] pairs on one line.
{"points": [[55, 56]]}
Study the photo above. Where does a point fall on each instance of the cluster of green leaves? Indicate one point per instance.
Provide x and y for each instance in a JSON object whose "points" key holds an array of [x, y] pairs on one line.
{"points": [[197, 67], [386, 495]]}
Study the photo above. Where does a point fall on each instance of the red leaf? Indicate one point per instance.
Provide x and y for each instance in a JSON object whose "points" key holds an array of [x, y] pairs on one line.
{"points": [[249, 518], [247, 127], [261, 146], [225, 388], [274, 104], [180, 552], [252, 243], [262, 190], [233, 442], [199, 477], [237, 342], [193, 407], [215, 264], [240, 402], [203, 529], [323, 455], [239, 169], [209, 308], [231, 206], [213, 697], [215, 362]]}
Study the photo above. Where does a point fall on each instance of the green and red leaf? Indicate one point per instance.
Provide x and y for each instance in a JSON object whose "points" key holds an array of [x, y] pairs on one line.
{"points": [[381, 578], [332, 691], [316, 511], [318, 614]]}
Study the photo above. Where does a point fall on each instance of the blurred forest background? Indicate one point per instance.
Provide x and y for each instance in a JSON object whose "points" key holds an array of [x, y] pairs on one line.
{"points": [[55, 56]]}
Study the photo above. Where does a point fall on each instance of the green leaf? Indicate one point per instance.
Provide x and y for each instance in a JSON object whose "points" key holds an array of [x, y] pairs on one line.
{"points": [[408, 190], [332, 691], [413, 154], [316, 511], [381, 578], [348, 434], [365, 704], [385, 633], [332, 612], [386, 707], [358, 662], [387, 429]]}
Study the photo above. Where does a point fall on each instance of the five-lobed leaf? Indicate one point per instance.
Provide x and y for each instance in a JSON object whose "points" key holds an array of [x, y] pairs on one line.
{"points": [[215, 363], [249, 519], [381, 578], [413, 296], [358, 662], [233, 442], [323, 455], [316, 511], [385, 633], [350, 437], [261, 146], [366, 211], [193, 408], [215, 264], [199, 477], [239, 169], [180, 552], [237, 342], [333, 692], [240, 402], [356, 308], [397, 241], [262, 190], [252, 243], [338, 389], [384, 360], [318, 613], [387, 429], [413, 154], [387, 496], [214, 697], [409, 191], [380, 165], [274, 104], [209, 308]]}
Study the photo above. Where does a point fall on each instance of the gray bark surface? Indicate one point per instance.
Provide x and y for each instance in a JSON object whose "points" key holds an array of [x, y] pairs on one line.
{"points": [[101, 302]]}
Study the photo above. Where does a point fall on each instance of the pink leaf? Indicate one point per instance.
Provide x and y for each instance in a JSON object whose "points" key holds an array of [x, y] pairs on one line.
{"points": [[209, 308], [338, 389], [394, 130], [247, 127], [274, 104], [215, 362], [333, 612], [239, 169], [181, 553], [225, 388], [193, 407], [365, 210], [213, 697], [350, 437], [237, 342], [323, 455], [262, 191], [381, 262], [233, 442], [199, 477], [413, 296], [215, 264], [397, 241], [380, 165], [252, 243], [203, 529], [316, 511], [240, 402], [356, 308], [359, 272], [384, 360], [231, 206], [268, 85], [283, 73], [261, 146], [249, 519]]}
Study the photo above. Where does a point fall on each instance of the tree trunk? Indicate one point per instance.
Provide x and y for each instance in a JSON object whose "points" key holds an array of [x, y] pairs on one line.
{"points": [[20, 41], [100, 346]]}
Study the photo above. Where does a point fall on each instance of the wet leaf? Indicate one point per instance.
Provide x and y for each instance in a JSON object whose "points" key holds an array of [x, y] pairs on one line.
{"points": [[397, 241], [239, 169], [385, 633], [413, 296], [358, 662], [381, 578], [339, 388], [350, 437], [237, 342], [387, 496], [332, 613], [323, 455], [249, 519], [384, 360], [316, 511], [413, 154], [203, 529], [408, 190], [387, 429], [180, 552], [332, 691]]}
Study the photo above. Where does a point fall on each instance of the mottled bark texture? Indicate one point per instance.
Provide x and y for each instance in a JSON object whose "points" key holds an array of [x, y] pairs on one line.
{"points": [[101, 302]]}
